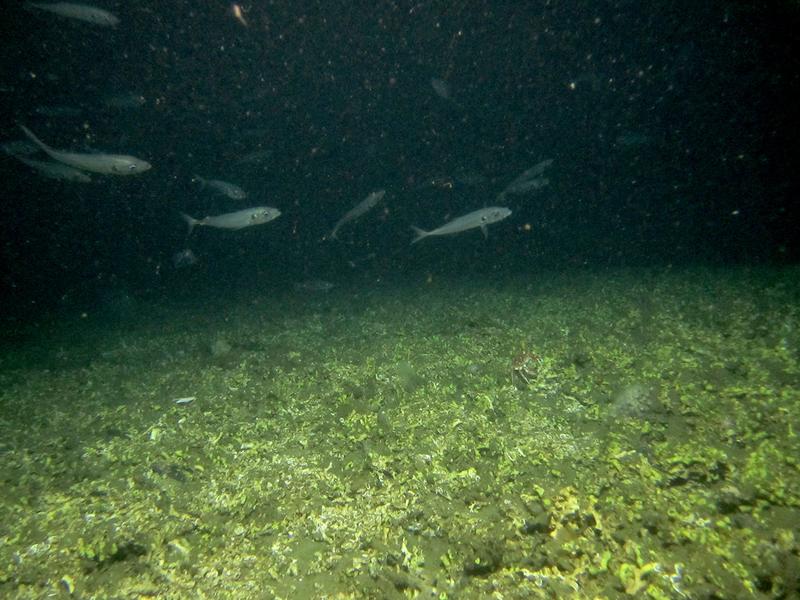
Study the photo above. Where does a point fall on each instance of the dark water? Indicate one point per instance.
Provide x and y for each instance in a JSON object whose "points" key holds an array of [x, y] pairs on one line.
{"points": [[599, 399], [671, 131]]}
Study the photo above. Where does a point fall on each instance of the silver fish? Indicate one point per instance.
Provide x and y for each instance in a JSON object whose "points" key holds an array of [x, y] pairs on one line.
{"points": [[521, 187], [125, 100], [314, 285], [20, 147], [441, 88], [529, 179], [107, 164], [478, 218], [55, 170], [81, 12], [240, 219], [184, 258], [223, 187], [58, 111], [359, 209]]}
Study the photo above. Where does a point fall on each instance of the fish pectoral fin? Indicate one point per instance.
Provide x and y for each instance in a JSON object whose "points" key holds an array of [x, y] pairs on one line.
{"points": [[485, 232]]}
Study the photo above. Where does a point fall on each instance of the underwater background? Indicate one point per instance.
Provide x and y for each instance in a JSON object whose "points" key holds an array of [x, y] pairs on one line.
{"points": [[594, 396]]}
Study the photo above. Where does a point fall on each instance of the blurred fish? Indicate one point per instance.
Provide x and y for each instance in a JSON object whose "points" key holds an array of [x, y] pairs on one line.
{"points": [[58, 111], [354, 262], [521, 187], [223, 187], [240, 219], [632, 138], [55, 170], [107, 164], [80, 12], [20, 147], [478, 218], [441, 88], [253, 157], [184, 258], [125, 101], [358, 210], [314, 285], [530, 179]]}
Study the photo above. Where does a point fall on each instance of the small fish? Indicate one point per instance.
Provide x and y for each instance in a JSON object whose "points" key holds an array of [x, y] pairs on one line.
{"points": [[256, 156], [359, 209], [521, 187], [478, 218], [20, 147], [441, 88], [240, 219], [223, 187], [125, 101], [58, 111], [354, 262], [107, 164], [54, 170], [530, 179], [184, 258], [314, 285], [187, 400], [80, 12]]}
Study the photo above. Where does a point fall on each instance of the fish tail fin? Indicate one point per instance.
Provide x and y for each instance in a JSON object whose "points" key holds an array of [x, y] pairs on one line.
{"points": [[421, 233], [190, 221], [35, 139]]}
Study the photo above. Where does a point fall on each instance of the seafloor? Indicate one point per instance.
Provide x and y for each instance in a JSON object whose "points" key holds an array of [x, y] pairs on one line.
{"points": [[582, 435]]}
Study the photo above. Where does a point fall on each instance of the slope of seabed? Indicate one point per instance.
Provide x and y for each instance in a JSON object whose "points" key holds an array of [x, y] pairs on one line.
{"points": [[584, 435]]}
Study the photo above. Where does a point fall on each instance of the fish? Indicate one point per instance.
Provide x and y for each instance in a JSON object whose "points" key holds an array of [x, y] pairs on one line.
{"points": [[314, 285], [240, 219], [106, 164], [256, 156], [20, 147], [359, 209], [521, 187], [125, 101], [477, 218], [354, 262], [632, 138], [58, 111], [80, 12], [223, 187], [441, 88], [530, 179], [184, 258], [55, 170]]}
